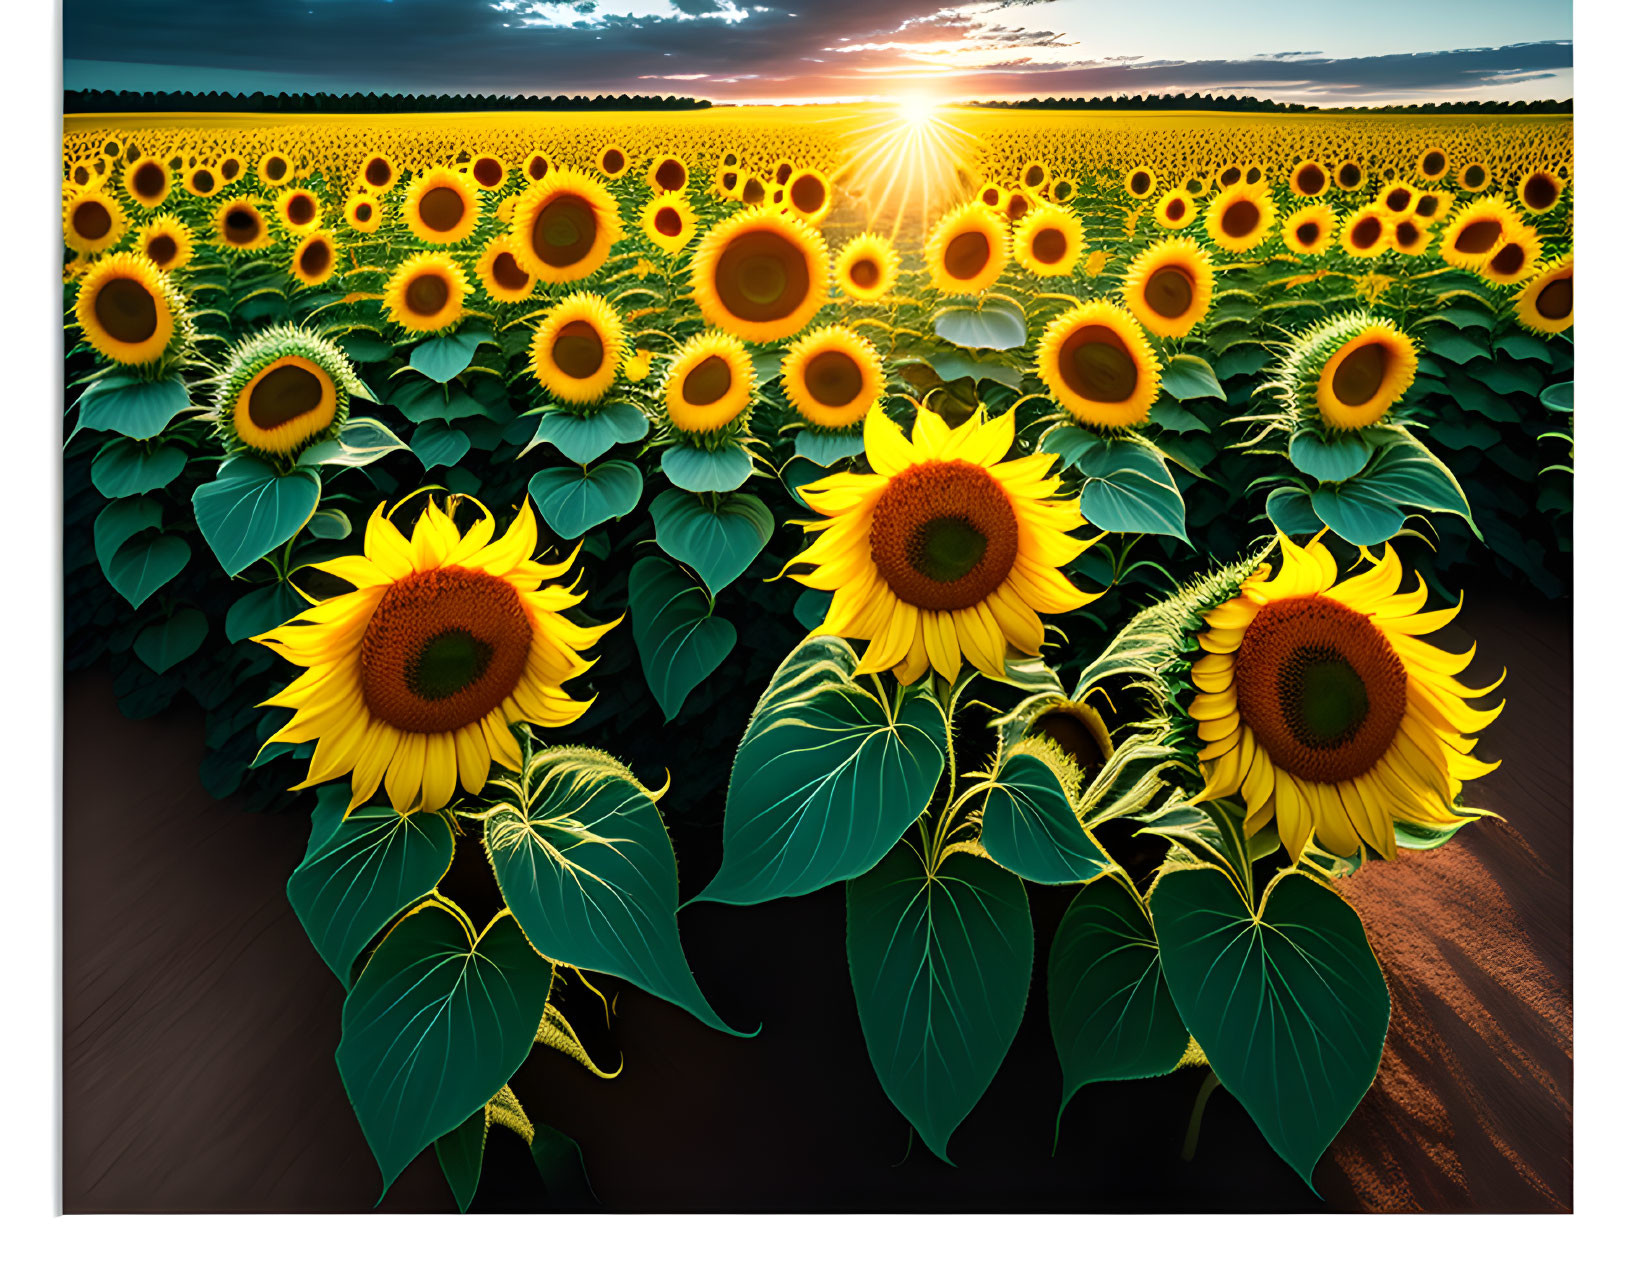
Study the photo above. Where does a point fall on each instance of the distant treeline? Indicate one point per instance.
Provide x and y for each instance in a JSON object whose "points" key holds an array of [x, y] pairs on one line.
{"points": [[1235, 103], [99, 101]]}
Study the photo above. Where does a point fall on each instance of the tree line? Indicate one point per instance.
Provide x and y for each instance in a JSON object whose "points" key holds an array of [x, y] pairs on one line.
{"points": [[1245, 103], [99, 101]]}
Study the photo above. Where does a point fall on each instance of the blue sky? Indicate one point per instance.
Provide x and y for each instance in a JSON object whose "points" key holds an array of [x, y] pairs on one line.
{"points": [[802, 50]]}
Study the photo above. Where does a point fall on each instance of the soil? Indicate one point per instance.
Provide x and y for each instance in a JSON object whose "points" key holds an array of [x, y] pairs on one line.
{"points": [[199, 1025]]}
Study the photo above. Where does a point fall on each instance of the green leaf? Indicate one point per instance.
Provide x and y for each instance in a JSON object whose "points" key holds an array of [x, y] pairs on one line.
{"points": [[1111, 1014], [136, 408], [1029, 827], [145, 564], [371, 867], [329, 524], [957, 365], [562, 1167], [718, 541], [678, 639], [422, 399], [435, 1026], [1558, 397], [693, 469], [263, 609], [812, 606], [1522, 346], [123, 468], [576, 500], [250, 510], [827, 447], [1453, 344], [994, 323], [1330, 460], [584, 439], [361, 442], [1287, 1001], [826, 779], [1187, 377], [1128, 488], [442, 357], [1403, 473], [118, 522], [169, 642], [1169, 414], [460, 1153], [1289, 508], [586, 866], [438, 444], [940, 966]]}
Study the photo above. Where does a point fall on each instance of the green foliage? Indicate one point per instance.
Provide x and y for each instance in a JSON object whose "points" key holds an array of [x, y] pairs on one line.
{"points": [[681, 643], [1029, 826], [584, 439], [718, 539], [133, 407], [576, 500], [251, 509], [993, 324]]}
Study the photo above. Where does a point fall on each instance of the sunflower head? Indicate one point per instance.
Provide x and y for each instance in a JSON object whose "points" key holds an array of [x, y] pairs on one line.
{"points": [[1344, 373], [1049, 242], [1432, 207], [487, 171], [202, 180], [1033, 175], [313, 262], [537, 166], [1168, 286], [1350, 174], [1069, 736], [967, 249], [760, 275], [275, 169], [1139, 183], [426, 292], [1062, 190], [363, 211], [92, 221], [832, 376], [991, 194], [667, 173], [1432, 166], [441, 206], [1308, 179], [414, 677], [564, 226], [612, 161], [1397, 198], [579, 349], [1366, 232], [300, 209], [131, 312], [1514, 258], [866, 268], [944, 551], [241, 227], [1174, 209], [708, 388], [281, 390], [167, 242], [1099, 366], [668, 222], [810, 196], [1545, 304], [503, 278], [1240, 217], [1475, 231], [1539, 191], [147, 181], [1309, 230], [1409, 235], [378, 171], [1474, 176], [1318, 702]]}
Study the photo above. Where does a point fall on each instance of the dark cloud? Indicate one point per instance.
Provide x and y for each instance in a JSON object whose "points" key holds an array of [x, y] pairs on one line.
{"points": [[770, 48]]}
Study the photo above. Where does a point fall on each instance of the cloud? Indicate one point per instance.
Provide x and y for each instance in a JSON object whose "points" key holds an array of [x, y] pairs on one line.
{"points": [[866, 47]]}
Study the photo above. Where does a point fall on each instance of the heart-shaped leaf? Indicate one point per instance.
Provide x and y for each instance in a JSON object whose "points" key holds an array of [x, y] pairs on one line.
{"points": [[139, 409], [718, 541], [576, 500], [584, 439], [124, 467], [442, 357], [361, 442], [171, 641], [995, 323], [250, 510], [1187, 377], [1128, 488], [678, 639], [1029, 827], [694, 469]]}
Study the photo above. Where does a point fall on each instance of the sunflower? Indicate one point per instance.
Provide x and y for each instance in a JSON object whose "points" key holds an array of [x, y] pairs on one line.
{"points": [[281, 390], [378, 172], [1320, 704], [753, 191], [1432, 165], [578, 349], [1397, 198], [1228, 176], [966, 251], [1432, 207], [1514, 258], [563, 226], [1049, 242], [241, 226], [1099, 366], [363, 211], [832, 377], [300, 209], [1348, 371], [231, 168], [612, 161], [668, 221], [942, 551], [275, 169], [811, 196], [1017, 205], [92, 222], [1308, 179], [130, 311], [709, 384], [1175, 209], [729, 184], [1349, 175], [990, 194], [537, 166], [1409, 235], [147, 182], [503, 278], [1310, 229], [1539, 192], [1240, 217], [1139, 182], [760, 275], [783, 171], [866, 268], [441, 206], [488, 171], [1168, 286], [667, 173], [1545, 304], [168, 242], [313, 262], [202, 180], [1475, 231], [1365, 234], [415, 676], [1475, 177], [1063, 190], [426, 292], [1033, 175]]}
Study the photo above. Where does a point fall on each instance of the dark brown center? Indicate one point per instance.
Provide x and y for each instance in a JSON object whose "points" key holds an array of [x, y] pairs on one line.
{"points": [[1478, 236], [93, 221], [762, 276], [967, 255], [488, 171], [148, 180], [1240, 218], [427, 294], [1095, 363], [507, 274], [126, 310], [1169, 291], [283, 394], [564, 230], [442, 208], [315, 259], [833, 378], [578, 350], [1050, 245], [708, 382], [1555, 300], [1360, 374], [671, 175]]}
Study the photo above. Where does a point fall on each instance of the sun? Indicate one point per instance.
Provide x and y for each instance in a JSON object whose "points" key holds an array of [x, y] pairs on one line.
{"points": [[909, 164], [917, 109]]}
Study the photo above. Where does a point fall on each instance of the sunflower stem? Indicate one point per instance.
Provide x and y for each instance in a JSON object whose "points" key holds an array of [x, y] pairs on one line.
{"points": [[1189, 1148]]}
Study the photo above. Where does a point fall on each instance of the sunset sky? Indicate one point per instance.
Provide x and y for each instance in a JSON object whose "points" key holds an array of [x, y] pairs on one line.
{"points": [[812, 50]]}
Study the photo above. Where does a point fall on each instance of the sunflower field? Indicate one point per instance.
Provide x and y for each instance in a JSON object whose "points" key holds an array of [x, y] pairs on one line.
{"points": [[937, 503]]}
